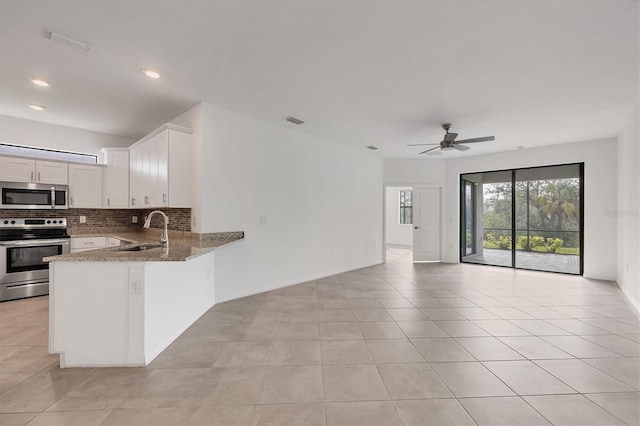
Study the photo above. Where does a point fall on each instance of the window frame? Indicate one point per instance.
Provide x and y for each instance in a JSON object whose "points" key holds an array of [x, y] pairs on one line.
{"points": [[47, 154], [405, 211]]}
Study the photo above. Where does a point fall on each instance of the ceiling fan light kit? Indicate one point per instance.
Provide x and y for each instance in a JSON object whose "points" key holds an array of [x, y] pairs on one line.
{"points": [[449, 142]]}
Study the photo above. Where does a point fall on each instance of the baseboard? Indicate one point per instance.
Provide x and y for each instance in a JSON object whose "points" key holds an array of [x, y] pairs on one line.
{"points": [[635, 305]]}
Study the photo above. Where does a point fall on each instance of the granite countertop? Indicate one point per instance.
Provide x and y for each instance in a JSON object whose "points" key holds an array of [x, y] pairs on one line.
{"points": [[182, 247]]}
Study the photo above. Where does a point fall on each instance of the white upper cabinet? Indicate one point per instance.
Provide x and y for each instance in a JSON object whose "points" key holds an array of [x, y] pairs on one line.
{"points": [[115, 177], [161, 169], [85, 186], [52, 172], [14, 169], [17, 169]]}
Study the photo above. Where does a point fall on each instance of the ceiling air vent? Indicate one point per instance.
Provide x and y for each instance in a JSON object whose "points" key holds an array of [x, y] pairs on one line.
{"points": [[372, 147], [294, 120], [66, 40]]}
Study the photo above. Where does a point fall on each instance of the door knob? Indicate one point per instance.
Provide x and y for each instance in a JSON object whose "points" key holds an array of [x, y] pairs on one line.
{"points": [[416, 227]]}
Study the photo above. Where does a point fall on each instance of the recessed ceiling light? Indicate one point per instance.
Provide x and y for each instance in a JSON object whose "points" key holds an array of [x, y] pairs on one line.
{"points": [[37, 107], [39, 82], [151, 73]]}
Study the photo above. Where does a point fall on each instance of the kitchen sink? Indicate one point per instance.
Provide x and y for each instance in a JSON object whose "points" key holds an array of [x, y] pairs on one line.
{"points": [[139, 247]]}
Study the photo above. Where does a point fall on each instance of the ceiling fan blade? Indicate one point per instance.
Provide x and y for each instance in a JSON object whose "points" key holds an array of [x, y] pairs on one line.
{"points": [[430, 149], [484, 139], [434, 153], [450, 137], [460, 147], [420, 144]]}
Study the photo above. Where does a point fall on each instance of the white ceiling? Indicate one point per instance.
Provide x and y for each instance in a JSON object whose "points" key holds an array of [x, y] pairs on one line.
{"points": [[359, 72]]}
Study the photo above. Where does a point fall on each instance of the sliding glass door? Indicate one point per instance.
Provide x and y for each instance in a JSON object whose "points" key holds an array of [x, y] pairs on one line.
{"points": [[526, 218], [468, 216]]}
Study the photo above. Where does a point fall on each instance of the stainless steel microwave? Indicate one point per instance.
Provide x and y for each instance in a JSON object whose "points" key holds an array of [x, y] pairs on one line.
{"points": [[15, 195]]}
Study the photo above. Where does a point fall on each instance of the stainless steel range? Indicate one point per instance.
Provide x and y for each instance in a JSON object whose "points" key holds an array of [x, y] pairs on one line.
{"points": [[23, 245]]}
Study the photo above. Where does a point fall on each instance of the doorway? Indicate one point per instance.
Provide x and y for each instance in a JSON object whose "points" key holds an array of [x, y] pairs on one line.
{"points": [[529, 218], [399, 222]]}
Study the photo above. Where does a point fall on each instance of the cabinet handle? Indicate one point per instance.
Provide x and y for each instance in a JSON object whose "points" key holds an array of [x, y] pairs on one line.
{"points": [[146, 199], [38, 176], [108, 201], [71, 199], [133, 201], [31, 177], [164, 198]]}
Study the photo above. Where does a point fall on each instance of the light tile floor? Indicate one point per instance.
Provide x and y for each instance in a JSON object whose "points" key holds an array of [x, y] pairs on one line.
{"points": [[391, 344]]}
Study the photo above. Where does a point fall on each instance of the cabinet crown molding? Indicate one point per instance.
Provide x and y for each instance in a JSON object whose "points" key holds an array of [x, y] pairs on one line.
{"points": [[166, 126]]}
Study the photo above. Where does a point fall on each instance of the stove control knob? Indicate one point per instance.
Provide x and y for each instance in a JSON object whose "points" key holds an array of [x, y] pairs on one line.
{"points": [[6, 222], [48, 221], [13, 222], [55, 221]]}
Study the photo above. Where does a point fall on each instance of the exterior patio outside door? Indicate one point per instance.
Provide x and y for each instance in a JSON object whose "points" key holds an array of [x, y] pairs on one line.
{"points": [[426, 224]]}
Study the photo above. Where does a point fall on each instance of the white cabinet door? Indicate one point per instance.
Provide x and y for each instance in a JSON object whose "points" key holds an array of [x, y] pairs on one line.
{"points": [[162, 155], [85, 186], [180, 172], [17, 169], [52, 172], [135, 177], [149, 173], [116, 179]]}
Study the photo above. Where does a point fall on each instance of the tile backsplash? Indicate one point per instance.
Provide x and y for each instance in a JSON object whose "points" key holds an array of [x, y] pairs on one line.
{"points": [[179, 219]]}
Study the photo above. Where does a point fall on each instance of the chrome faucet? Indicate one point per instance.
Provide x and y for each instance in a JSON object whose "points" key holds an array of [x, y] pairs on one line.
{"points": [[164, 238]]}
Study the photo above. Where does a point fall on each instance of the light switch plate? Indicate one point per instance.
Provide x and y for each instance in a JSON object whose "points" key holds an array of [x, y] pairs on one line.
{"points": [[83, 219], [134, 219]]}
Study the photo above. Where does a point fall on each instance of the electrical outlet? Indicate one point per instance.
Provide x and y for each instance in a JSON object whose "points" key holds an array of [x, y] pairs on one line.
{"points": [[135, 287], [134, 219], [83, 219]]}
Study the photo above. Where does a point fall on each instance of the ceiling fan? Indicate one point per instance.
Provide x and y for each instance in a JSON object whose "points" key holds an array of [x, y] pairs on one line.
{"points": [[449, 142]]}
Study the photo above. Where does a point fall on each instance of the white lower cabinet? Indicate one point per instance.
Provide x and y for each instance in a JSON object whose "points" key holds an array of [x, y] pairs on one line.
{"points": [[79, 244]]}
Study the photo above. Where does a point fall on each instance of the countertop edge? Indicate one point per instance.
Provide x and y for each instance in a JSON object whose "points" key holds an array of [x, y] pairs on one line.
{"points": [[177, 252]]}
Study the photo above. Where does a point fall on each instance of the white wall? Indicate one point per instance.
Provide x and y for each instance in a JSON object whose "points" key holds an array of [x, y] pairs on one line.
{"points": [[17, 131], [628, 210], [396, 233], [412, 172], [322, 202], [600, 199]]}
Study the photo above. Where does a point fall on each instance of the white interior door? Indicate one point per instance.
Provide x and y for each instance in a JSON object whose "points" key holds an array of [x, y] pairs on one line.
{"points": [[426, 224]]}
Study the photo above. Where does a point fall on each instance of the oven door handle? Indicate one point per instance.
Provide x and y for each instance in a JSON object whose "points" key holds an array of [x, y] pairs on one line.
{"points": [[32, 243], [53, 196]]}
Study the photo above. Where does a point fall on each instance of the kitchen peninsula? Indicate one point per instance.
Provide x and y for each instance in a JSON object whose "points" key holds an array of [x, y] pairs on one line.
{"points": [[122, 306]]}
